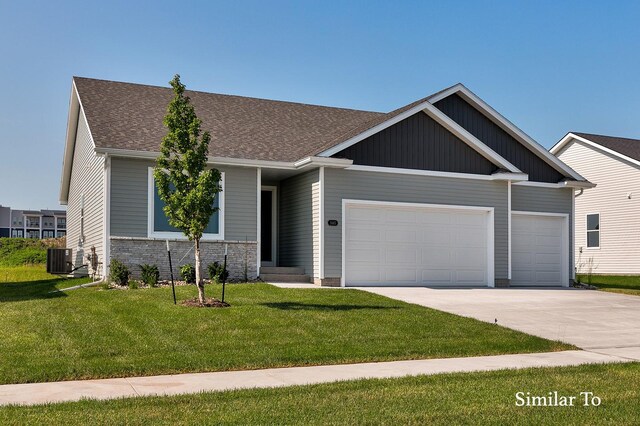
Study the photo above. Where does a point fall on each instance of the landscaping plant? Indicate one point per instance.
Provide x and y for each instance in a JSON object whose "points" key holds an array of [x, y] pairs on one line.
{"points": [[118, 273], [218, 273], [185, 184], [150, 274], [188, 273]]}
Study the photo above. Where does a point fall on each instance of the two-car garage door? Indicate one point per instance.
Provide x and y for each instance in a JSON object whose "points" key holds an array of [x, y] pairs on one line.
{"points": [[402, 244], [417, 244]]}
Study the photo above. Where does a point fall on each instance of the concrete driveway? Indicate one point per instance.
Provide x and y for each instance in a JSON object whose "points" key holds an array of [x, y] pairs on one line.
{"points": [[592, 320]]}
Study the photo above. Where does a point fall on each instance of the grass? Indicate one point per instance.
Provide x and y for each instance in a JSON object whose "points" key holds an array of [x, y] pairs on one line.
{"points": [[93, 333], [448, 399], [627, 284], [21, 251]]}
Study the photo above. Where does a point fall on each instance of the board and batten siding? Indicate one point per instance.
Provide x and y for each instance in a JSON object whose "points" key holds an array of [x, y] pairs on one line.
{"points": [[87, 182], [129, 200], [296, 239], [619, 251], [360, 185], [545, 200], [491, 134], [418, 142]]}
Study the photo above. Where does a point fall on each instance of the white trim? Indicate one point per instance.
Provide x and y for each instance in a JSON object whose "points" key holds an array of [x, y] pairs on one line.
{"points": [[322, 225], [494, 177], [557, 147], [572, 236], [565, 240], [274, 223], [586, 231], [106, 246], [439, 117], [490, 229], [558, 185], [303, 164], [509, 227], [259, 216], [179, 235], [509, 127]]}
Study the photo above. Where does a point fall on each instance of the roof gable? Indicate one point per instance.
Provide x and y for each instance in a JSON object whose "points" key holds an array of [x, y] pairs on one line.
{"points": [[418, 142], [624, 149], [486, 130]]}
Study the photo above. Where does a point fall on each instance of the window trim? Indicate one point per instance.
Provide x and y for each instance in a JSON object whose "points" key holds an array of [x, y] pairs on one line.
{"points": [[586, 230], [163, 235]]}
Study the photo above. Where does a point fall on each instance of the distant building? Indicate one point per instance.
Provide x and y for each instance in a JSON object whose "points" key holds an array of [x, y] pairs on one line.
{"points": [[32, 223]]}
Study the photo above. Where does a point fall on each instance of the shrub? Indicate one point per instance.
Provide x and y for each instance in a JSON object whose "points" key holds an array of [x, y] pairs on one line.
{"points": [[218, 273], [133, 285], [150, 274], [188, 273], [118, 273]]}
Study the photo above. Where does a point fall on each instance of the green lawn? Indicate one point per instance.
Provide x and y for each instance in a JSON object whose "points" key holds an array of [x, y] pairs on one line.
{"points": [[94, 333], [627, 284], [447, 399]]}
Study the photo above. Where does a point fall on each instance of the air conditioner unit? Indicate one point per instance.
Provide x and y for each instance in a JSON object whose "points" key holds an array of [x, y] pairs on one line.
{"points": [[59, 261]]}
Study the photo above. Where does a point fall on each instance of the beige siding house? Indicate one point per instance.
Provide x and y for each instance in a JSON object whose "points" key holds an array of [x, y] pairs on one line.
{"points": [[607, 218]]}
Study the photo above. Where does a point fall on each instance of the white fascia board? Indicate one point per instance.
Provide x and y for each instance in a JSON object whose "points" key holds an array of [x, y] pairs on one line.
{"points": [[69, 146], [439, 117], [323, 162], [558, 185], [514, 177], [507, 125], [616, 154]]}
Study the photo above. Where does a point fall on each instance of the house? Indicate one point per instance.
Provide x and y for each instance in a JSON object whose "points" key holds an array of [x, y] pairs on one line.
{"points": [[444, 191], [32, 223], [607, 220]]}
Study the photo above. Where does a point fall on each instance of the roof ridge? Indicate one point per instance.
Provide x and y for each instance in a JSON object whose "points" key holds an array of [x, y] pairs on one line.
{"points": [[229, 95]]}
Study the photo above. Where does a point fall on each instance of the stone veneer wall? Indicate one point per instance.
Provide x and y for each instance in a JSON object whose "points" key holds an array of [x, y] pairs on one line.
{"points": [[135, 251]]}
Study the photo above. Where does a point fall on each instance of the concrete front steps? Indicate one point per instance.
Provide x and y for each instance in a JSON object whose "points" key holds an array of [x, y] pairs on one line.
{"points": [[283, 274]]}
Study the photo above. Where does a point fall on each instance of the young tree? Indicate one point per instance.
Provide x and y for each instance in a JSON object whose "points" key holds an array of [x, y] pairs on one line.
{"points": [[185, 184]]}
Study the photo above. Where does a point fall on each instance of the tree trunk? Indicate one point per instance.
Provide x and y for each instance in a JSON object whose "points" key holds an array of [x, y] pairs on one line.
{"points": [[199, 280]]}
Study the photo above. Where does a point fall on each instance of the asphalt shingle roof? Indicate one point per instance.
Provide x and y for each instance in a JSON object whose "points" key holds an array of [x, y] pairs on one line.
{"points": [[624, 146], [129, 116]]}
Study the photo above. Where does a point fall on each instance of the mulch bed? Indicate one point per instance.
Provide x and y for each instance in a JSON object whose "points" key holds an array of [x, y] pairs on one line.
{"points": [[208, 303]]}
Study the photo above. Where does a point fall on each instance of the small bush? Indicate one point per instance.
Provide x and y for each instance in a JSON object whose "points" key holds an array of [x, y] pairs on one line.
{"points": [[133, 285], [150, 274], [118, 273], [188, 273], [217, 272]]}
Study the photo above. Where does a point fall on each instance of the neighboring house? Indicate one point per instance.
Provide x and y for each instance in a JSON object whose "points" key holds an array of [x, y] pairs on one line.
{"points": [[32, 223], [607, 221], [443, 192]]}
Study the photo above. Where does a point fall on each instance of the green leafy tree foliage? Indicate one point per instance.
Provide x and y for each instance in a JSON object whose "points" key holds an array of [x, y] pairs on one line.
{"points": [[185, 183]]}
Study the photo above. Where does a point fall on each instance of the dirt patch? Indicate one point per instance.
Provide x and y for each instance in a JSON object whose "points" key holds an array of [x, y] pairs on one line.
{"points": [[208, 303]]}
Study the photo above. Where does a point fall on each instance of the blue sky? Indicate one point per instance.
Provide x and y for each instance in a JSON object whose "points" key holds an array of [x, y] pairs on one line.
{"points": [[548, 66]]}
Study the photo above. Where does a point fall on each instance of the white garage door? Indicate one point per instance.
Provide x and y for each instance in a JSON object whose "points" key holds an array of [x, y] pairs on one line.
{"points": [[389, 244], [539, 250]]}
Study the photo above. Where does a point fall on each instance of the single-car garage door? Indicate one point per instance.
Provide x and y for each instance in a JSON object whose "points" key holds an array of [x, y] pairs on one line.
{"points": [[402, 244], [539, 250]]}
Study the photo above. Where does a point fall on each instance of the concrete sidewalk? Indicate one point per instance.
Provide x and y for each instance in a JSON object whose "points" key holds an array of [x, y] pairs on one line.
{"points": [[39, 393]]}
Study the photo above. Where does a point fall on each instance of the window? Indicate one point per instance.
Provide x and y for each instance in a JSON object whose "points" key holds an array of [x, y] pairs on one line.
{"points": [[61, 234], [32, 222], [593, 230], [62, 222], [47, 234], [33, 234], [158, 224], [17, 233]]}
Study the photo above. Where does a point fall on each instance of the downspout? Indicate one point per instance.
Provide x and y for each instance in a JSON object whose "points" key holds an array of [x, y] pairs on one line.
{"points": [[106, 244]]}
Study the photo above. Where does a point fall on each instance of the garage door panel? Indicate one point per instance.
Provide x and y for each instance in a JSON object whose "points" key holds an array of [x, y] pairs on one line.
{"points": [[537, 256], [416, 246]]}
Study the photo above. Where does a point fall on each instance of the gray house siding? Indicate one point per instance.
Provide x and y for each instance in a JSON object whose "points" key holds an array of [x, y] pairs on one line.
{"points": [[497, 139], [87, 183], [296, 221], [349, 184], [129, 200], [418, 142], [545, 200]]}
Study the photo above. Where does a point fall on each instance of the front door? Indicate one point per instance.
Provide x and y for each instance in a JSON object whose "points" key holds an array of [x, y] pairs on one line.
{"points": [[268, 222]]}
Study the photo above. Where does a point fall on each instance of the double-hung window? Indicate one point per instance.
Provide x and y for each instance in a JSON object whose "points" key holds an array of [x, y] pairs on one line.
{"points": [[158, 223], [593, 230]]}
